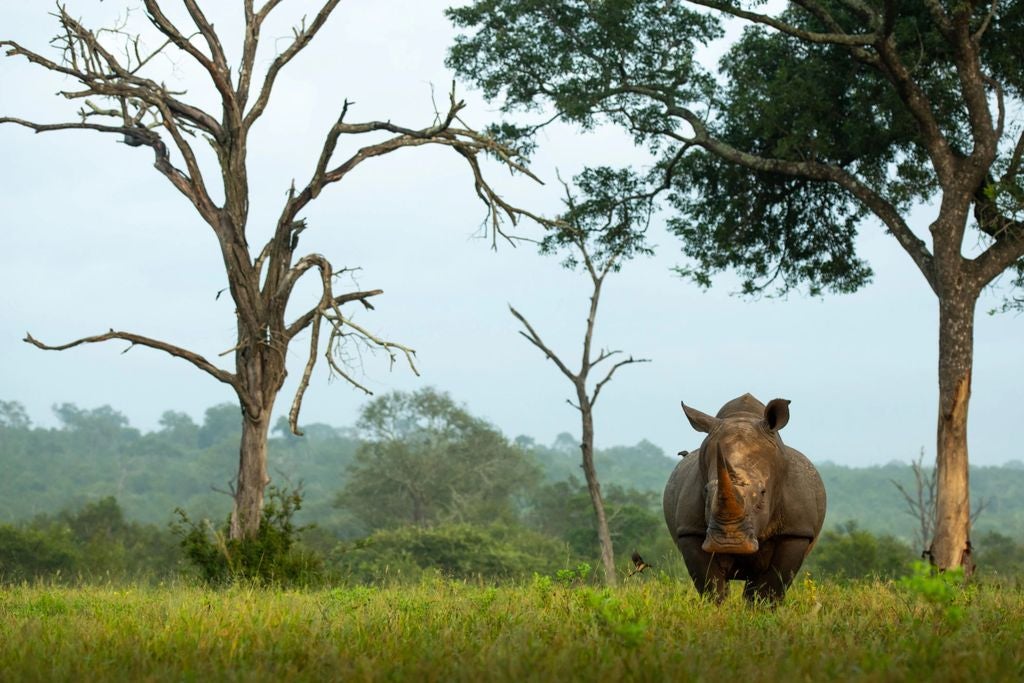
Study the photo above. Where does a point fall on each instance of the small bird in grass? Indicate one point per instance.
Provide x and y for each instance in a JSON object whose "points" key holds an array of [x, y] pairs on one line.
{"points": [[639, 563]]}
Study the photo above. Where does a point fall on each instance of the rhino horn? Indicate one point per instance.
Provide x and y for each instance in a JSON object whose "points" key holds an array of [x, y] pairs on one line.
{"points": [[730, 504]]}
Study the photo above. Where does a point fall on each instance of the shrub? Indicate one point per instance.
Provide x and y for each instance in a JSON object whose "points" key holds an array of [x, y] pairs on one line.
{"points": [[27, 554], [999, 555], [460, 551], [853, 553], [273, 556]]}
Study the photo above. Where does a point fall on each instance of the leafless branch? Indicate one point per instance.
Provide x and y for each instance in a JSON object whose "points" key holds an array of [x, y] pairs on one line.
{"points": [[980, 508], [303, 35], [611, 371], [921, 502], [329, 304], [531, 336], [230, 492], [135, 339], [216, 67], [303, 321], [342, 323], [465, 141], [307, 371], [603, 355]]}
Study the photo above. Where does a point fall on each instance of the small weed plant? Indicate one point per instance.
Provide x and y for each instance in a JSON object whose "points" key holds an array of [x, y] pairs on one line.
{"points": [[945, 593]]}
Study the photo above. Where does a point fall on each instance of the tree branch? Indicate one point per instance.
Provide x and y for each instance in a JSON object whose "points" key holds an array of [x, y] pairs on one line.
{"points": [[835, 38], [303, 321], [813, 170], [531, 336], [1002, 253], [220, 77], [302, 37], [136, 136], [220, 62], [611, 371], [307, 372], [468, 143], [135, 339]]}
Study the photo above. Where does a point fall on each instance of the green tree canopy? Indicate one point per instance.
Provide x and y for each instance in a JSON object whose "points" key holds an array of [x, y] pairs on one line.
{"points": [[222, 422], [775, 158], [13, 415], [424, 459]]}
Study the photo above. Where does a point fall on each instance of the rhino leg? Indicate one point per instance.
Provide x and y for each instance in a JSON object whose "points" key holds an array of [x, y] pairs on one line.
{"points": [[770, 584], [708, 574]]}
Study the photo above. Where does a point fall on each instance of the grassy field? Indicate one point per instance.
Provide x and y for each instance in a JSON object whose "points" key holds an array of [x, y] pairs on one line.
{"points": [[654, 629]]}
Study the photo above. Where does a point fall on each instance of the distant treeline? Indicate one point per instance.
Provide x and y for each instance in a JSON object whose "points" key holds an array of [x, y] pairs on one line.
{"points": [[416, 471]]}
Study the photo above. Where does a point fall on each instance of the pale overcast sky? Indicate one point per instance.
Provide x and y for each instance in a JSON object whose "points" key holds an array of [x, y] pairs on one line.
{"points": [[93, 238]]}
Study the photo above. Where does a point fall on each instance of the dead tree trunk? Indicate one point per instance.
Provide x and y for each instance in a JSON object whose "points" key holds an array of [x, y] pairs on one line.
{"points": [[252, 478], [604, 536], [112, 68]]}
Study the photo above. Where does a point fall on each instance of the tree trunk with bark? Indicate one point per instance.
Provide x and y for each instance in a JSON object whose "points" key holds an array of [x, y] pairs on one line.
{"points": [[252, 478], [604, 536], [951, 546]]}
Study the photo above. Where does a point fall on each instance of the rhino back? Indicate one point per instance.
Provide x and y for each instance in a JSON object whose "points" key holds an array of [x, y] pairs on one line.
{"points": [[803, 497], [683, 502]]}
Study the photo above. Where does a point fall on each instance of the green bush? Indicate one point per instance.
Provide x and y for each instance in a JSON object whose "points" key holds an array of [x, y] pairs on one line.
{"points": [[999, 555], [27, 554], [460, 551], [110, 546], [850, 552], [564, 510], [92, 542], [274, 556]]}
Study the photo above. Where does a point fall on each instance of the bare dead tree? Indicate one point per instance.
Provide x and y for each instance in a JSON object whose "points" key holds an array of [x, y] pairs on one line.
{"points": [[119, 95], [599, 234], [920, 504]]}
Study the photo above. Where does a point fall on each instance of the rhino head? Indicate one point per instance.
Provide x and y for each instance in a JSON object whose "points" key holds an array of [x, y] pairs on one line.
{"points": [[743, 463]]}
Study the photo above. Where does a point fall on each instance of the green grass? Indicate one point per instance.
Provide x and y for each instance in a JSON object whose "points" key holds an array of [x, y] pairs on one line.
{"points": [[654, 629]]}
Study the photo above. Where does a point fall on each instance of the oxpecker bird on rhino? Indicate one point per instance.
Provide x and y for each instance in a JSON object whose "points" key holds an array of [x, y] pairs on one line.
{"points": [[744, 506]]}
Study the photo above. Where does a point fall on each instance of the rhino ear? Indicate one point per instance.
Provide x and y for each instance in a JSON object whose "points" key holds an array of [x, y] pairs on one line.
{"points": [[698, 420], [776, 414]]}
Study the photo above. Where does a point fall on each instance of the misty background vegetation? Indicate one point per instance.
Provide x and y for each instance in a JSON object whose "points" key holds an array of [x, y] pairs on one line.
{"points": [[418, 484]]}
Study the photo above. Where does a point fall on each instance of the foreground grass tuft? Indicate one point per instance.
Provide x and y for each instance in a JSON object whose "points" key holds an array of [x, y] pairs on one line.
{"points": [[648, 630]]}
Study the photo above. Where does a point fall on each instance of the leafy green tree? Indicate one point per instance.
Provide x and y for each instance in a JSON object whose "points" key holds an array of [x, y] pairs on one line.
{"points": [[426, 460], [179, 429], [96, 426], [93, 542], [13, 416], [563, 510], [220, 423], [822, 116]]}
